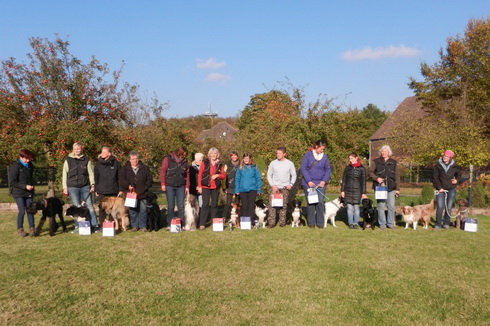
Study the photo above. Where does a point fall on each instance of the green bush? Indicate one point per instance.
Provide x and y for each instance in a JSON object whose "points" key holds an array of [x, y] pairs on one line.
{"points": [[479, 193], [427, 194]]}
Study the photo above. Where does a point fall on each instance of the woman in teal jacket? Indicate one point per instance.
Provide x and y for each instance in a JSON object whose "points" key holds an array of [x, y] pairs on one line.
{"points": [[248, 184]]}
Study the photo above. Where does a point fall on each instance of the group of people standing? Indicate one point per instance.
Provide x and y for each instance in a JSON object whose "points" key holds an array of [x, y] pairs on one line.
{"points": [[240, 178]]}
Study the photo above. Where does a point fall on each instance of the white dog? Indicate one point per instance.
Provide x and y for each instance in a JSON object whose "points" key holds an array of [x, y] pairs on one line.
{"points": [[261, 212], [191, 212], [331, 209], [296, 214]]}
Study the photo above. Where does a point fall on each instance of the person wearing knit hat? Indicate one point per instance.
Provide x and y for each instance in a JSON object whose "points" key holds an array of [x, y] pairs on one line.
{"points": [[445, 179]]}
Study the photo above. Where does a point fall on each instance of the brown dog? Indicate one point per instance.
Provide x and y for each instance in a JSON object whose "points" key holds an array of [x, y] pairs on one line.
{"points": [[114, 206], [411, 215], [235, 214], [462, 213]]}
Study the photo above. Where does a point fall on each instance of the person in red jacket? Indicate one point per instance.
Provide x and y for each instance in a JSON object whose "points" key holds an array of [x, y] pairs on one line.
{"points": [[209, 179]]}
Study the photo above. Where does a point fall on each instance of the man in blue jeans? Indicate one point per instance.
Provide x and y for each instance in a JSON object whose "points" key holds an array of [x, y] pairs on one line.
{"points": [[78, 181], [446, 175]]}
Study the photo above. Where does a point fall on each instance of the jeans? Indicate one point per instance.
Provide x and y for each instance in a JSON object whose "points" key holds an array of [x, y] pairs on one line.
{"points": [[79, 194], [22, 203], [172, 194], [382, 204], [248, 203], [315, 213], [441, 205], [138, 215], [353, 214], [206, 194]]}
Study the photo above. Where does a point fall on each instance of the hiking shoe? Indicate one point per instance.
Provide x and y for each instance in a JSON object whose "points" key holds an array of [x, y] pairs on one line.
{"points": [[446, 227], [437, 228], [351, 226], [356, 226], [144, 230], [383, 227], [202, 227], [21, 233]]}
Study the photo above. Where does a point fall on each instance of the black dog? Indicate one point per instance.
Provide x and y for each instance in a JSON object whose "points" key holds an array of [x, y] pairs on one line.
{"points": [[368, 214], [154, 214], [50, 207], [77, 213]]}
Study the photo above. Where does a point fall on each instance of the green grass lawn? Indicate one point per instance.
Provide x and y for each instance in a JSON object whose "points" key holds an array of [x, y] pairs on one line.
{"points": [[282, 276]]}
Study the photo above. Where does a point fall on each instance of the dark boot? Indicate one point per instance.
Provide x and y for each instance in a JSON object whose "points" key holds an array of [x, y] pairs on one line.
{"points": [[21, 232], [32, 232]]}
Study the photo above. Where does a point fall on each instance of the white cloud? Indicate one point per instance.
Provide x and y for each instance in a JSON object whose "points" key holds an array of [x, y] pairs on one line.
{"points": [[215, 76], [369, 53], [209, 64]]}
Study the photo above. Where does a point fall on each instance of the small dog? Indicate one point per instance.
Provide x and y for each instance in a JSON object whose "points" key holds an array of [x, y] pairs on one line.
{"points": [[114, 206], [368, 214], [50, 207], [462, 213], [261, 212], [235, 214], [411, 215], [191, 208], [154, 213], [331, 209], [79, 214], [296, 213]]}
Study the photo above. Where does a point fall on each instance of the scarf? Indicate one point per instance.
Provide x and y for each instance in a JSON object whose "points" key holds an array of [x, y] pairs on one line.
{"points": [[444, 165], [358, 164], [26, 165], [317, 156]]}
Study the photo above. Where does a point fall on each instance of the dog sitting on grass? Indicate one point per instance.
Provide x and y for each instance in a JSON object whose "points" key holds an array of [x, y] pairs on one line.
{"points": [[50, 207], [462, 213], [296, 214], [368, 214], [261, 212], [154, 213]]}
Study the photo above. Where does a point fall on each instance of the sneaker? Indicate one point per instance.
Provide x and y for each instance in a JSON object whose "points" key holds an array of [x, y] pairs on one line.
{"points": [[134, 229], [144, 230], [391, 227], [446, 227], [383, 227], [75, 230], [202, 227], [437, 228], [356, 226], [351, 226]]}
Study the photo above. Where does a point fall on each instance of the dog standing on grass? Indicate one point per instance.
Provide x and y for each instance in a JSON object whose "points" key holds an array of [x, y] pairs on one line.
{"points": [[154, 213], [191, 211], [412, 215], [114, 206], [50, 207], [331, 209]]}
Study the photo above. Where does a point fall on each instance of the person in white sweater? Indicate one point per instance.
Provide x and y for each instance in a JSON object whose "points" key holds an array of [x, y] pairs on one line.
{"points": [[281, 176]]}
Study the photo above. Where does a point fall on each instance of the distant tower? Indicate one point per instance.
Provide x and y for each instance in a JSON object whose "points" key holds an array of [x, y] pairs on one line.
{"points": [[210, 113]]}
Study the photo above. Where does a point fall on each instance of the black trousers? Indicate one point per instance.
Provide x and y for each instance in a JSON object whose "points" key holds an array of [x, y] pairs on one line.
{"points": [[248, 203], [206, 195]]}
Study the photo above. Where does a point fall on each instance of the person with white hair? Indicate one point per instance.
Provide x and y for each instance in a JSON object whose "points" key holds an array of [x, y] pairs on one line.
{"points": [[209, 179], [385, 172]]}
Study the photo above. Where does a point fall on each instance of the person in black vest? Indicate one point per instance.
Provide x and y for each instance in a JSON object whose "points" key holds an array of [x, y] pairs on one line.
{"points": [[193, 175], [353, 189], [22, 189], [78, 181], [106, 174], [230, 170], [445, 180], [209, 179], [385, 172], [175, 182], [135, 177]]}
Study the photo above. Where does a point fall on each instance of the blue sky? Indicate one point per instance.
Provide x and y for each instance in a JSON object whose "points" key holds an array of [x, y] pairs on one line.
{"points": [[193, 52]]}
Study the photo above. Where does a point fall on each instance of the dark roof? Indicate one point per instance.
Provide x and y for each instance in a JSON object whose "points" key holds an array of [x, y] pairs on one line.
{"points": [[409, 108], [221, 130]]}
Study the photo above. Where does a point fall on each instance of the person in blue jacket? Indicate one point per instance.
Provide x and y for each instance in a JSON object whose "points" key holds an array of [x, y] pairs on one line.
{"points": [[248, 184], [315, 168]]}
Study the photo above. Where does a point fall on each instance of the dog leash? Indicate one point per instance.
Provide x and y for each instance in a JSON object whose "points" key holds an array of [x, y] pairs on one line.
{"points": [[85, 200], [318, 191], [445, 204]]}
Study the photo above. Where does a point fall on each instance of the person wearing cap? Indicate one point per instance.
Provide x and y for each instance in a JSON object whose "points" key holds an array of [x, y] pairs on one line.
{"points": [[22, 189], [445, 179]]}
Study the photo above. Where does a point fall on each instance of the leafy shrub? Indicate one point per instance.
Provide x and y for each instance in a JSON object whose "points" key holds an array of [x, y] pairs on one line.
{"points": [[479, 195], [427, 194]]}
